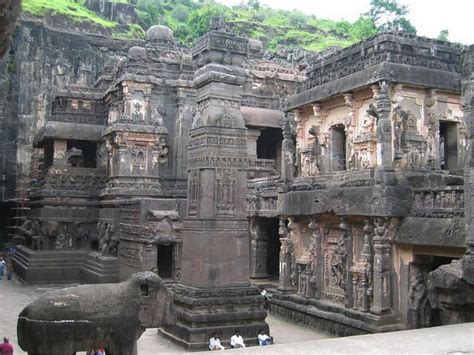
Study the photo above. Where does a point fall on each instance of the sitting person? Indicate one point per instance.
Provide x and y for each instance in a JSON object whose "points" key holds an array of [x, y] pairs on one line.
{"points": [[264, 339], [215, 343], [236, 340]]}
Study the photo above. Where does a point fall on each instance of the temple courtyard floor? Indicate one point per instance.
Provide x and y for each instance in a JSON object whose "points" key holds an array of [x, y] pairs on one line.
{"points": [[289, 338]]}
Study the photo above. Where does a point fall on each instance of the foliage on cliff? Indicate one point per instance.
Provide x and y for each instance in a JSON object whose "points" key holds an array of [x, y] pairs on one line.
{"points": [[75, 10], [189, 19]]}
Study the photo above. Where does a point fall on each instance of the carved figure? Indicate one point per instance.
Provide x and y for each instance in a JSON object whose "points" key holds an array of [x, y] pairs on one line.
{"points": [[338, 263], [418, 299], [111, 315], [108, 245], [64, 239]]}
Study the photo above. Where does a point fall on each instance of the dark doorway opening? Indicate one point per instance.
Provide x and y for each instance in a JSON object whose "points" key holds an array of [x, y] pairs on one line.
{"points": [[338, 148], [448, 145], [273, 249], [88, 149], [165, 261], [269, 145], [421, 314]]}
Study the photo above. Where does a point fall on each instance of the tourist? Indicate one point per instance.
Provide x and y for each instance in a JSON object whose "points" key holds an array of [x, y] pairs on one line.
{"points": [[265, 297], [6, 348], [215, 343], [2, 266], [100, 351], [236, 340], [264, 339], [9, 270], [92, 352]]}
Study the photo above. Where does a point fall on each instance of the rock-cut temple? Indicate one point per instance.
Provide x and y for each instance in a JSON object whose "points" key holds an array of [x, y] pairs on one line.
{"points": [[339, 181]]}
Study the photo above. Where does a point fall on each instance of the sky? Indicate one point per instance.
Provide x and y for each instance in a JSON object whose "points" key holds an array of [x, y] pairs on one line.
{"points": [[428, 16]]}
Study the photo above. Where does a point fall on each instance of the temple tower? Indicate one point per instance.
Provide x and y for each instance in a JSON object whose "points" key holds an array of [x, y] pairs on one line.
{"points": [[215, 294]]}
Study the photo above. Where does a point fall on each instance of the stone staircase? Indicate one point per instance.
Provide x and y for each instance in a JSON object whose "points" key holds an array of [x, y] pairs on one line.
{"points": [[100, 269]]}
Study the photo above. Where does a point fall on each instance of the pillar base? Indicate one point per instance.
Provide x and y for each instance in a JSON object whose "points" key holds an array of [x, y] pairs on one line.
{"points": [[202, 312]]}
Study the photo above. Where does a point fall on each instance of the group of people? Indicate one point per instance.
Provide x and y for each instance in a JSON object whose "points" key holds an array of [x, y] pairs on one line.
{"points": [[6, 267], [236, 340]]}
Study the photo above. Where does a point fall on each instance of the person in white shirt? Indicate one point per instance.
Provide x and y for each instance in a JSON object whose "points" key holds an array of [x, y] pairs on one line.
{"points": [[236, 341], [215, 343], [263, 339]]}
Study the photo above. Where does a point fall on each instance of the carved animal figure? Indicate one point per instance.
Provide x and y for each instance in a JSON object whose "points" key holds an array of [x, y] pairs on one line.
{"points": [[83, 317]]}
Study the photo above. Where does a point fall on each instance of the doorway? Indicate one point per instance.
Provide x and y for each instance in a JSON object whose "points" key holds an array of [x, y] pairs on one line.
{"points": [[338, 148], [448, 145], [165, 261]]}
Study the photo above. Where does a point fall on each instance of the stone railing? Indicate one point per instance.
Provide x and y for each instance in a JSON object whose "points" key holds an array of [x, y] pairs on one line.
{"points": [[78, 117], [71, 179], [387, 47], [442, 202], [260, 168], [262, 197]]}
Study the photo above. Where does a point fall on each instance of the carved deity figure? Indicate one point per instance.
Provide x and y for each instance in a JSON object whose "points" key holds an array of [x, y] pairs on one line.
{"points": [[365, 159], [418, 299], [64, 239], [368, 123], [338, 263]]}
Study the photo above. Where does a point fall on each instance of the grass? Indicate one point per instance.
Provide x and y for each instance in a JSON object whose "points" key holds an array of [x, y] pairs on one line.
{"points": [[75, 10]]}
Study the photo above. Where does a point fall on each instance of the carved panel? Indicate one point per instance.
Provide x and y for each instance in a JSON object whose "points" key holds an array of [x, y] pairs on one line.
{"points": [[130, 256], [335, 253]]}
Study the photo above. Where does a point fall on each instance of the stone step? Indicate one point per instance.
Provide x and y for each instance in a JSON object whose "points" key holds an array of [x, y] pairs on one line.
{"points": [[33, 266], [100, 269]]}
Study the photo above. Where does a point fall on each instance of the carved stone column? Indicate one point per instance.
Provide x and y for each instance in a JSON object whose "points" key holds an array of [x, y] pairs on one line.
{"points": [[315, 281], [215, 292], [384, 126], [258, 250], [287, 163], [382, 289], [284, 282], [252, 137], [347, 236]]}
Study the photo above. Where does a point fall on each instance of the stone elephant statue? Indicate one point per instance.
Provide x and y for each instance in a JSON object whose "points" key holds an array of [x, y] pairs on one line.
{"points": [[85, 317]]}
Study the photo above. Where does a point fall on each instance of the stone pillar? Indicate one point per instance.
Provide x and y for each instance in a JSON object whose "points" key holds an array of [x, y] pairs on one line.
{"points": [[284, 281], [316, 266], [252, 137], [60, 147], [468, 108], [382, 283], [384, 126], [215, 294], [258, 250], [287, 149], [347, 235]]}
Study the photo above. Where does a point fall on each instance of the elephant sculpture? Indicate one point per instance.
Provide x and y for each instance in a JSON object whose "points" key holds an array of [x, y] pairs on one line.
{"points": [[84, 317]]}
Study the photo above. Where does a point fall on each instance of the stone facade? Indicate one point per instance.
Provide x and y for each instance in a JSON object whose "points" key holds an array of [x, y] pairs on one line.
{"points": [[344, 193], [371, 198]]}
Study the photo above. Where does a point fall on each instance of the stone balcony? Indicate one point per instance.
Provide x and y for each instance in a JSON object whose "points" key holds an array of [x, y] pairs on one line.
{"points": [[69, 181], [260, 168]]}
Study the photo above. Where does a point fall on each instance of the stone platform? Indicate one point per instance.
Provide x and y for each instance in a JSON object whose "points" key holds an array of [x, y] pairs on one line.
{"points": [[330, 317], [49, 265], [201, 312], [100, 269]]}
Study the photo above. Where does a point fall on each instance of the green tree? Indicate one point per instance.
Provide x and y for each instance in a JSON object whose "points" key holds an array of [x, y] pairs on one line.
{"points": [[443, 35], [389, 15], [253, 4], [150, 11], [364, 27]]}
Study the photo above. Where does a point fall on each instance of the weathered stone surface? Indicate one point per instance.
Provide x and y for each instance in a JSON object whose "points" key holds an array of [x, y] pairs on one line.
{"points": [[9, 11], [110, 315]]}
